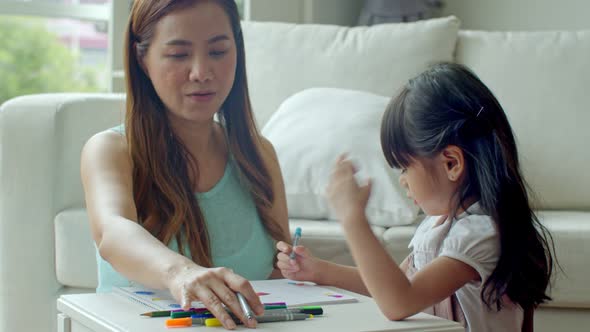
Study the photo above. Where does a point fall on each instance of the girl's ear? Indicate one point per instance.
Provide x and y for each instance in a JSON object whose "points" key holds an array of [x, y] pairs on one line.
{"points": [[454, 162]]}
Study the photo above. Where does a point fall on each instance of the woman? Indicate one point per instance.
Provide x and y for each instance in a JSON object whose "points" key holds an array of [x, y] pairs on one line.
{"points": [[176, 199]]}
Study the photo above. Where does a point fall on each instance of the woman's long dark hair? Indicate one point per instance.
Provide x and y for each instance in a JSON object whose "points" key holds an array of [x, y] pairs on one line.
{"points": [[162, 166], [449, 105]]}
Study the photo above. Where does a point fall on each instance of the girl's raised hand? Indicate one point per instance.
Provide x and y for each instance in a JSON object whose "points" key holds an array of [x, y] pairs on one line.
{"points": [[303, 267], [215, 287], [346, 197]]}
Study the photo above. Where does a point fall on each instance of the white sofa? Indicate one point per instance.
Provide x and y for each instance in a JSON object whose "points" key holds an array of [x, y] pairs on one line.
{"points": [[541, 78]]}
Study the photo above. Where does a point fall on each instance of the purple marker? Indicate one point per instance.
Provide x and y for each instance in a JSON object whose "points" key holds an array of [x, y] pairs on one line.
{"points": [[275, 303]]}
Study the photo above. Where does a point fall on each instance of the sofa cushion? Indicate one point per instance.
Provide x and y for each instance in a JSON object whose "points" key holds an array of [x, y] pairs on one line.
{"points": [[76, 263], [376, 59], [78, 119], [570, 231], [311, 129], [542, 80], [75, 260], [571, 234], [75, 253]]}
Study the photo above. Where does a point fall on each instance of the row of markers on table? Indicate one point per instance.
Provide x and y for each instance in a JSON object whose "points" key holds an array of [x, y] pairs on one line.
{"points": [[274, 312]]}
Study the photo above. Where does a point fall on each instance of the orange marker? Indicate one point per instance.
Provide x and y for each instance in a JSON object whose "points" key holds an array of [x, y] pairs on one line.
{"points": [[183, 322]]}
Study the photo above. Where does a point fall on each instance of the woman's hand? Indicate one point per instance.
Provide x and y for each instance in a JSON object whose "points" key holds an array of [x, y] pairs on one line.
{"points": [[347, 199], [215, 287], [304, 267]]}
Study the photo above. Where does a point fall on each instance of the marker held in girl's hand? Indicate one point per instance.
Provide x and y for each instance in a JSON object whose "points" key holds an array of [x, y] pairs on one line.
{"points": [[296, 238]]}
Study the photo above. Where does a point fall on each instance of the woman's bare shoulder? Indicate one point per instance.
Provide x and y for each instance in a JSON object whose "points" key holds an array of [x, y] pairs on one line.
{"points": [[268, 150], [107, 147]]}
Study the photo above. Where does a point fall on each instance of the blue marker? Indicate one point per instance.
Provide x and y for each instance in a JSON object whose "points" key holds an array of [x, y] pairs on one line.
{"points": [[201, 315], [296, 238]]}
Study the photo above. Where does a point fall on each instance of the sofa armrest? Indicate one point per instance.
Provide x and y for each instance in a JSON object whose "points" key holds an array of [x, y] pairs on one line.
{"points": [[41, 137]]}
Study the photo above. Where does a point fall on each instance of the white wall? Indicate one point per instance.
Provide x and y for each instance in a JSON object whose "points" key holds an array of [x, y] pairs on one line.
{"points": [[339, 12], [274, 10], [525, 15]]}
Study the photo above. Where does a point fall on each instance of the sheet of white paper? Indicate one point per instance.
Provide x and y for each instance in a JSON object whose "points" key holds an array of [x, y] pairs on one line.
{"points": [[293, 293]]}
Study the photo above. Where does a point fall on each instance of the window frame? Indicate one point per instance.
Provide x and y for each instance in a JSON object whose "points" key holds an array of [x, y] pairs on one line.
{"points": [[84, 12]]}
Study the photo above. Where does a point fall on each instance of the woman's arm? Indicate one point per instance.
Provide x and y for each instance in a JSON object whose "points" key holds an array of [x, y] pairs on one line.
{"points": [[107, 179]]}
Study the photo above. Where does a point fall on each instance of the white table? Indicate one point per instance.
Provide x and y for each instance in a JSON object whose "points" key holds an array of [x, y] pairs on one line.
{"points": [[112, 312]]}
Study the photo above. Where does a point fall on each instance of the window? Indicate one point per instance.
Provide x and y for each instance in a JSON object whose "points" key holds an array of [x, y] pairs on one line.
{"points": [[54, 46], [240, 4]]}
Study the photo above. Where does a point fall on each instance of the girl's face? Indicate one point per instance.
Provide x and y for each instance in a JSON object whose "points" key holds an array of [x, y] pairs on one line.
{"points": [[427, 183], [191, 61]]}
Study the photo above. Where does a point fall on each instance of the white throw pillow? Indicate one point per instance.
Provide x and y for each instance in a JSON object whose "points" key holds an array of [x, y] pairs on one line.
{"points": [[311, 129]]}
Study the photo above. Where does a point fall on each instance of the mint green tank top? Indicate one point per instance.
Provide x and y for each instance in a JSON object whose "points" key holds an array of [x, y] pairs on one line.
{"points": [[237, 237]]}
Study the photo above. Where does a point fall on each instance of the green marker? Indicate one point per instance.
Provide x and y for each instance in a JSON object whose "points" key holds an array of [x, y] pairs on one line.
{"points": [[181, 314], [310, 309], [271, 307]]}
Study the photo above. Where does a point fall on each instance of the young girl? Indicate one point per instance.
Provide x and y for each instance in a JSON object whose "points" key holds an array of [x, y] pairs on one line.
{"points": [[480, 257]]}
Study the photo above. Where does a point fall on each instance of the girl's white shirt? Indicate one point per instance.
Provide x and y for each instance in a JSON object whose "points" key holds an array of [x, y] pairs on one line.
{"points": [[473, 239]]}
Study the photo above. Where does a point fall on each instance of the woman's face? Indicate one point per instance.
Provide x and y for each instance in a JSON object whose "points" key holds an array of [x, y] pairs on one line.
{"points": [[191, 61]]}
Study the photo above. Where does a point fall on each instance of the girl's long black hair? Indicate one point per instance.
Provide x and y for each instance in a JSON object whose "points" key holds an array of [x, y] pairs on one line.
{"points": [[449, 105]]}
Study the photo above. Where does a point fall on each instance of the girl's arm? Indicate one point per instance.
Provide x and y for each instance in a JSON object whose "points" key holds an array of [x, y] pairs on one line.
{"points": [[342, 276], [306, 267], [107, 179], [397, 296]]}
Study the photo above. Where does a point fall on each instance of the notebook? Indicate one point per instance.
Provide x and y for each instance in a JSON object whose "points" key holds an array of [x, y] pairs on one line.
{"points": [[293, 293]]}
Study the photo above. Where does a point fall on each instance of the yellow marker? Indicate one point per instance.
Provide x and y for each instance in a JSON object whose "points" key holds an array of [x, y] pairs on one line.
{"points": [[212, 322]]}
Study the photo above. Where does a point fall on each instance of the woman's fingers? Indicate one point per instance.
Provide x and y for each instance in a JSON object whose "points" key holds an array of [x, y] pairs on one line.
{"points": [[214, 304], [216, 288], [240, 284], [228, 297], [187, 297]]}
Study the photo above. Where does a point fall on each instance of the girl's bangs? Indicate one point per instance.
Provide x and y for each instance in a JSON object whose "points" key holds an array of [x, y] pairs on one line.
{"points": [[394, 136]]}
